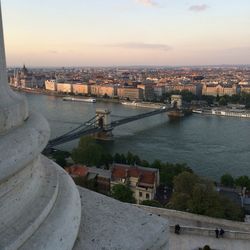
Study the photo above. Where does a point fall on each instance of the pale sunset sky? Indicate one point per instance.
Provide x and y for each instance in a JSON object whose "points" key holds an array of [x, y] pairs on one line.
{"points": [[126, 32]]}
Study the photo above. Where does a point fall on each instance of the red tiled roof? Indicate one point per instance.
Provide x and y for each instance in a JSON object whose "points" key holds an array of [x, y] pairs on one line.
{"points": [[145, 176], [77, 170]]}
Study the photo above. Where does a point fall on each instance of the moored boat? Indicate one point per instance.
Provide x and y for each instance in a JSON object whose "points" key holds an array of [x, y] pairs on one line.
{"points": [[73, 99], [144, 104], [197, 111]]}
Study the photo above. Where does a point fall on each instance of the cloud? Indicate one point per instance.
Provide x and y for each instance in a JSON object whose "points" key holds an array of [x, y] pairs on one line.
{"points": [[198, 8], [147, 46], [148, 3]]}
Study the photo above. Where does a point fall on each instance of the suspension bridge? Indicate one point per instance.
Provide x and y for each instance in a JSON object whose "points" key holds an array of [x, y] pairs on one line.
{"points": [[101, 125]]}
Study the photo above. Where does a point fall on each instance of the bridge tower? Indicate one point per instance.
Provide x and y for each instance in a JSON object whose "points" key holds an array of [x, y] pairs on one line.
{"points": [[176, 101], [104, 121]]}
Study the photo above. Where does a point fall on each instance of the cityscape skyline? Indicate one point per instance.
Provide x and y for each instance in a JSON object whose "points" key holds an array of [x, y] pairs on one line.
{"points": [[126, 32]]}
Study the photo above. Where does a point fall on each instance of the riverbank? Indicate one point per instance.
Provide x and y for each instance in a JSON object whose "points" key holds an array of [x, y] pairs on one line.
{"points": [[241, 113], [57, 94], [208, 144]]}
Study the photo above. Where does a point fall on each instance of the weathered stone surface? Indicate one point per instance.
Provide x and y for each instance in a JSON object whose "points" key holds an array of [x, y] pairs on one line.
{"points": [[39, 203], [108, 224], [13, 107], [198, 231], [59, 228]]}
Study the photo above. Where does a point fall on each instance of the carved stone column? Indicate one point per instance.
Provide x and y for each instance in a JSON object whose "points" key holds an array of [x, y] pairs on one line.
{"points": [[39, 203]]}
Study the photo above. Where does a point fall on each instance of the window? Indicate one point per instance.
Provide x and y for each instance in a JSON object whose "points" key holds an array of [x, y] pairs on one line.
{"points": [[140, 194], [147, 196]]}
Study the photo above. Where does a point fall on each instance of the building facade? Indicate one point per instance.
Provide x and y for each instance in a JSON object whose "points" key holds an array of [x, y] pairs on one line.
{"points": [[130, 93], [81, 89], [220, 89], [142, 181], [51, 85], [148, 91], [64, 87]]}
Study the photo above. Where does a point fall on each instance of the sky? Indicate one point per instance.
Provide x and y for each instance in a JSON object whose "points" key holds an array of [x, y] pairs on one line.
{"points": [[126, 32]]}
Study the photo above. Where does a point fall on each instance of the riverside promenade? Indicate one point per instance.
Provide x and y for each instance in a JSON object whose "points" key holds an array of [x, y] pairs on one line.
{"points": [[198, 231]]}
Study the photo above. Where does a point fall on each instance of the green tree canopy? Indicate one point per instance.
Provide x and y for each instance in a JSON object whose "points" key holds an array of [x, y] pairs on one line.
{"points": [[60, 157], [243, 181], [151, 203], [122, 193], [185, 182], [227, 180], [222, 101], [198, 195], [89, 152]]}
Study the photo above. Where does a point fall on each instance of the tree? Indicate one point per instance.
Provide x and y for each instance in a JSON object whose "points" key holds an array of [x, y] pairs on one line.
{"points": [[145, 164], [122, 193], [151, 203], [168, 171], [60, 160], [243, 181], [197, 195], [204, 200], [227, 180], [107, 159], [231, 210], [117, 158], [222, 101], [88, 152], [185, 182], [179, 202], [130, 158], [60, 157]]}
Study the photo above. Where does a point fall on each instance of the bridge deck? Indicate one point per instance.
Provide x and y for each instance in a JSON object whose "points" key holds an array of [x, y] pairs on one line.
{"points": [[92, 127]]}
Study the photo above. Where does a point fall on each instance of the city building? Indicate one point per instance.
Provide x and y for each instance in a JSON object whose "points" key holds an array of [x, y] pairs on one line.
{"points": [[99, 178], [51, 85], [25, 79], [196, 89], [64, 87], [80, 89], [148, 91], [219, 89], [159, 91], [103, 90], [142, 181], [245, 88], [130, 93]]}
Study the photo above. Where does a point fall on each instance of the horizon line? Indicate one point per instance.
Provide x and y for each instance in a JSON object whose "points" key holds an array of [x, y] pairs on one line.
{"points": [[132, 66]]}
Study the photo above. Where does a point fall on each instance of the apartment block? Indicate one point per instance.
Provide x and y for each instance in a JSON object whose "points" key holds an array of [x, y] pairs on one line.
{"points": [[142, 181], [80, 88], [148, 91], [51, 85], [130, 93], [64, 87], [102, 90]]}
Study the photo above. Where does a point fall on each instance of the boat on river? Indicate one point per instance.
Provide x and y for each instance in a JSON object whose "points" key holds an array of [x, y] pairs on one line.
{"points": [[73, 99], [144, 104], [197, 111]]}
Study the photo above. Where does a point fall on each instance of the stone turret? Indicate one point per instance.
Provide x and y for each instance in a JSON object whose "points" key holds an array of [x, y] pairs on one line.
{"points": [[39, 203]]}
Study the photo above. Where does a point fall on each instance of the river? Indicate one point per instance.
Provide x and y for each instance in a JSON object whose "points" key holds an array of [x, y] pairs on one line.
{"points": [[210, 145]]}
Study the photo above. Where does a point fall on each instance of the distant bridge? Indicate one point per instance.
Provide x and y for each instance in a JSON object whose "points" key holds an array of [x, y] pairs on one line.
{"points": [[100, 126]]}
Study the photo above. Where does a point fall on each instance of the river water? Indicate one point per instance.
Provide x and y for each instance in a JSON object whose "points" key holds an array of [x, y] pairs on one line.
{"points": [[210, 145]]}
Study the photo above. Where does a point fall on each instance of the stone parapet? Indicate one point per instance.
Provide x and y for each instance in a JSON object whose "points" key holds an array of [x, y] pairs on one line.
{"points": [[210, 232], [108, 224]]}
